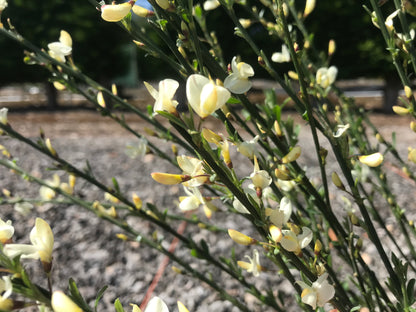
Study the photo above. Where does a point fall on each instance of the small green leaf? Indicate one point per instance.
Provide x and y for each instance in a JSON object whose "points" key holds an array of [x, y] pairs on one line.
{"points": [[99, 296], [118, 306], [204, 246], [116, 186]]}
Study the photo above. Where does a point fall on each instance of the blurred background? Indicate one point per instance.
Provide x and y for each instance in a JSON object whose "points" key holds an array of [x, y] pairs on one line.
{"points": [[104, 52]]}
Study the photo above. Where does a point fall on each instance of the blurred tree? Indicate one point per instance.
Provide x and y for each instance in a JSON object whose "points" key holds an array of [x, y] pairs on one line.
{"points": [[96, 43]]}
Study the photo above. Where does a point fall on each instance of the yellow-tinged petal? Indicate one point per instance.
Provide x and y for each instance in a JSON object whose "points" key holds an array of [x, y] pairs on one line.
{"points": [[181, 307], [135, 308], [211, 136], [169, 178], [6, 304], [41, 237], [143, 12], [59, 86], [372, 160], [164, 4], [137, 201], [100, 99], [399, 110], [310, 5], [275, 233], [115, 12], [293, 75], [3, 116], [241, 238], [65, 38], [50, 148], [331, 47], [412, 155], [292, 155], [408, 91], [62, 303]]}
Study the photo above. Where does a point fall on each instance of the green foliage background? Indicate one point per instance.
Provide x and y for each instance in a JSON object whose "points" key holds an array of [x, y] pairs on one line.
{"points": [[98, 44]]}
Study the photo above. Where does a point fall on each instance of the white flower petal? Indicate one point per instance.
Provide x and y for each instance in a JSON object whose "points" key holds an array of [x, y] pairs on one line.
{"points": [[156, 305]]}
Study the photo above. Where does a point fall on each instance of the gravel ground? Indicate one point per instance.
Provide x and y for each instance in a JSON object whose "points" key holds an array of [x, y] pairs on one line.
{"points": [[86, 247]]}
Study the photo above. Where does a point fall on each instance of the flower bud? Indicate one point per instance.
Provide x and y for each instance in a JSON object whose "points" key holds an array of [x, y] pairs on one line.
{"points": [[62, 303], [137, 201], [164, 4], [275, 233], [399, 110], [100, 99], [411, 155], [241, 238], [50, 148], [293, 75], [282, 173], [331, 47], [59, 86], [310, 5], [277, 128], [372, 160], [408, 92], [246, 23], [114, 89], [292, 155], [318, 247], [337, 181], [413, 126], [71, 181], [169, 178], [122, 236]]}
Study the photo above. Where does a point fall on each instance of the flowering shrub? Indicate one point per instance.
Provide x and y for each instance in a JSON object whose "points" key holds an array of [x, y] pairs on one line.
{"points": [[293, 212]]}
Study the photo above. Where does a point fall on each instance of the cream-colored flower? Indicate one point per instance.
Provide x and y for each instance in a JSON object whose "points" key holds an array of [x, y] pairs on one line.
{"points": [[260, 178], [248, 148], [47, 193], [326, 76], [204, 96], [279, 217], [6, 231], [62, 303], [253, 266], [3, 5], [238, 82], [340, 130], [164, 97], [285, 185], [295, 243], [319, 293], [193, 167], [281, 57], [137, 149], [194, 200], [59, 49], [389, 20], [156, 305], [3, 116], [41, 238], [239, 206], [116, 12], [211, 5], [23, 208]]}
